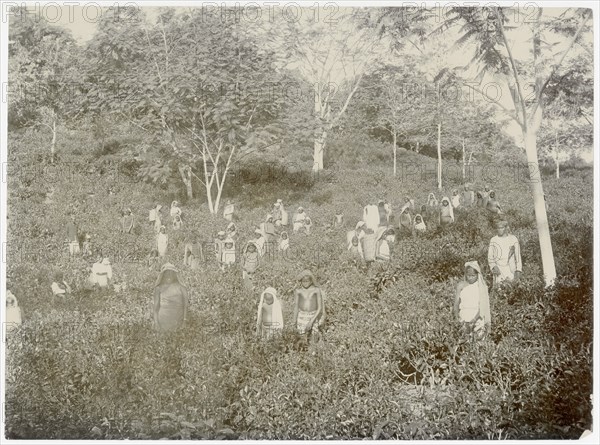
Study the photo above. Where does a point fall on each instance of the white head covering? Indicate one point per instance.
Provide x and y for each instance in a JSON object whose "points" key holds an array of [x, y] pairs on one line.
{"points": [[484, 298], [11, 300], [277, 314], [251, 243], [359, 225], [445, 198], [13, 312], [431, 200], [419, 226], [106, 262]]}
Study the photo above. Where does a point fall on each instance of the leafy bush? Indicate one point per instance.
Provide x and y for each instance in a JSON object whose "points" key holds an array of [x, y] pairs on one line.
{"points": [[393, 363]]}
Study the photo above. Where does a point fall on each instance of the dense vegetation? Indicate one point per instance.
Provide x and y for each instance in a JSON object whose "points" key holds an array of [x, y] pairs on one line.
{"points": [[392, 364]]}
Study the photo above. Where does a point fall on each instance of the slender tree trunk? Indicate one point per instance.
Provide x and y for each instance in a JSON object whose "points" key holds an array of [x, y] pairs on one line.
{"points": [[540, 208], [53, 144], [464, 175], [394, 134], [439, 153], [418, 149], [556, 155], [319, 147]]}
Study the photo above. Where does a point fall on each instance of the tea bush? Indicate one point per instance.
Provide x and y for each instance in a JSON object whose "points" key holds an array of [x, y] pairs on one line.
{"points": [[392, 363]]}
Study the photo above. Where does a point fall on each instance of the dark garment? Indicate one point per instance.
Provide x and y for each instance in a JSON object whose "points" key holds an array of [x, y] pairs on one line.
{"points": [[382, 216]]}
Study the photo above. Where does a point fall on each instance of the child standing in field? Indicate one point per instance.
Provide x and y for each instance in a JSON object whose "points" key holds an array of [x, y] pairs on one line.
{"points": [[250, 261], [309, 310], [493, 206], [298, 221], [228, 254], [446, 212], [162, 241], [504, 254], [284, 242], [269, 320], [472, 302], [419, 225], [219, 240]]}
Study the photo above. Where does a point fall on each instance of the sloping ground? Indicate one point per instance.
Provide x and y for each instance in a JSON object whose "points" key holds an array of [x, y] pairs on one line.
{"points": [[392, 363]]}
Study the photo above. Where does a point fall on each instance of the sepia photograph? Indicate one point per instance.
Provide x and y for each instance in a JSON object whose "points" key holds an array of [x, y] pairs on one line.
{"points": [[299, 221]]}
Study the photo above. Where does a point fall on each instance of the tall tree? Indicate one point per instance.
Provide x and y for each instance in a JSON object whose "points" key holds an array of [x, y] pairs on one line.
{"points": [[490, 30], [332, 58], [199, 85], [43, 68]]}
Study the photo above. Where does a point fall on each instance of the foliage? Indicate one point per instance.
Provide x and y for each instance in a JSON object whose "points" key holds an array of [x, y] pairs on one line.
{"points": [[392, 363]]}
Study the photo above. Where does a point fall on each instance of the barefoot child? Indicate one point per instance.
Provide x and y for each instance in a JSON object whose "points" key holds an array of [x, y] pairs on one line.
{"points": [[269, 321], [309, 311]]}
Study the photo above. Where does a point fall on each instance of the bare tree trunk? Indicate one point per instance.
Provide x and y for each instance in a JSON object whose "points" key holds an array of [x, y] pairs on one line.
{"points": [[418, 149], [439, 153], [394, 134], [556, 155], [53, 144], [540, 208], [319, 147], [464, 175]]}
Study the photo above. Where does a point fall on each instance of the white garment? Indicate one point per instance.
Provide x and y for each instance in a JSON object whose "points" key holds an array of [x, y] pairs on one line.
{"points": [[101, 274], [175, 210], [371, 217], [383, 253], [299, 221], [228, 212], [284, 244], [228, 255], [162, 241], [469, 302], [260, 244], [505, 253], [57, 290], [13, 312], [456, 201], [276, 325]]}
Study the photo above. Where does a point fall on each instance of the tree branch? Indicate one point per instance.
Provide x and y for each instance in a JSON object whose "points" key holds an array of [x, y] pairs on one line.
{"points": [[514, 69], [555, 67]]}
